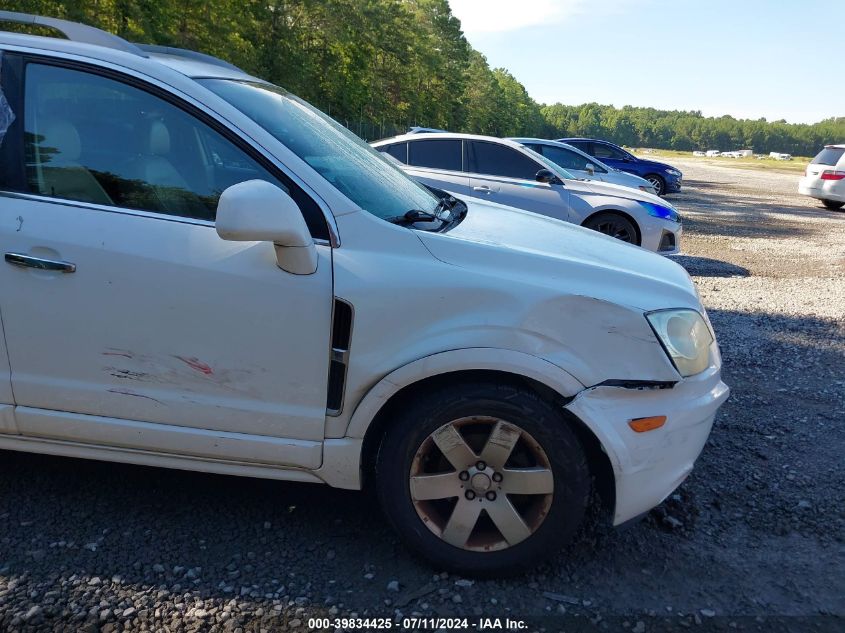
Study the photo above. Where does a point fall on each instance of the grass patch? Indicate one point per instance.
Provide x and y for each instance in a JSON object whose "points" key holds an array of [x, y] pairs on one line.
{"points": [[797, 165]]}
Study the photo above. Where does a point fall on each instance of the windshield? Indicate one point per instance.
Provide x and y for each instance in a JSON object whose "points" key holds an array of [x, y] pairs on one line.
{"points": [[551, 165], [347, 162]]}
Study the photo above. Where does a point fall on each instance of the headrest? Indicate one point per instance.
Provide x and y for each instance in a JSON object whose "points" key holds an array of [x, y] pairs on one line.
{"points": [[63, 137], [159, 139]]}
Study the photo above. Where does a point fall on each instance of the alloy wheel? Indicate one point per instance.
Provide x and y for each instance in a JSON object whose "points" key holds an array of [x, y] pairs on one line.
{"points": [[481, 483], [657, 184], [616, 227]]}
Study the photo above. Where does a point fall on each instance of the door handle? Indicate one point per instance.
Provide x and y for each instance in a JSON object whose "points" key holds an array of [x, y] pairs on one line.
{"points": [[483, 189], [28, 261]]}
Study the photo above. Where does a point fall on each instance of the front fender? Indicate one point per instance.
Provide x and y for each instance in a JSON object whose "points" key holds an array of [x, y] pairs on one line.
{"points": [[509, 361]]}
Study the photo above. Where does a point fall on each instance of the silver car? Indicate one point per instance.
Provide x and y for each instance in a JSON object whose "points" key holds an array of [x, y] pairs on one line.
{"points": [[506, 172], [582, 165]]}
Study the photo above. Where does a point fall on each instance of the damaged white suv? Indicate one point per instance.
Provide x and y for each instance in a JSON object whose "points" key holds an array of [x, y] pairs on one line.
{"points": [[204, 272]]}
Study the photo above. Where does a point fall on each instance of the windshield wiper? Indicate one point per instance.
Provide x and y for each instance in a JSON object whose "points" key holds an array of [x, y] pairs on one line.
{"points": [[413, 216]]}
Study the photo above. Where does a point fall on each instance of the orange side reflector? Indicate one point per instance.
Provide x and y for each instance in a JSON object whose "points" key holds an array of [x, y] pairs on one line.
{"points": [[641, 425]]}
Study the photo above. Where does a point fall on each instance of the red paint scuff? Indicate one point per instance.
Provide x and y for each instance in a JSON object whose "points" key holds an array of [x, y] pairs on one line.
{"points": [[195, 363]]}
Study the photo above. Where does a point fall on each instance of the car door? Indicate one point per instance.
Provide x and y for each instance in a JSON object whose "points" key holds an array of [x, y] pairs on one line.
{"points": [[7, 420], [7, 117], [439, 163], [129, 322], [613, 157], [503, 174]]}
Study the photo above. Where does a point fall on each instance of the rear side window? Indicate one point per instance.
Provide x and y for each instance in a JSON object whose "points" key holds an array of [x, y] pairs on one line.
{"points": [[437, 154], [94, 139], [499, 160], [829, 156], [399, 151]]}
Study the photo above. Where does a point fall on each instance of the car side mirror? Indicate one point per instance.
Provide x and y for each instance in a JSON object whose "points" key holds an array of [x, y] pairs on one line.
{"points": [[258, 211], [547, 176], [590, 169]]}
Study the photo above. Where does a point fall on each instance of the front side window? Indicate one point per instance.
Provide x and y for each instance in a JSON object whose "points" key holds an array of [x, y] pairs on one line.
{"points": [[500, 160], [600, 150], [344, 160], [584, 146], [94, 139], [435, 153], [567, 158]]}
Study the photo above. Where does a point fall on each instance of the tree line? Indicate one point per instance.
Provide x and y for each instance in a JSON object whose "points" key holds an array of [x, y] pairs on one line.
{"points": [[379, 66]]}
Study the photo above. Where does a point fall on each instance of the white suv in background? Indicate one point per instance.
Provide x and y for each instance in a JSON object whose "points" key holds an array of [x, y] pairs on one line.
{"points": [[508, 173], [824, 178], [204, 272]]}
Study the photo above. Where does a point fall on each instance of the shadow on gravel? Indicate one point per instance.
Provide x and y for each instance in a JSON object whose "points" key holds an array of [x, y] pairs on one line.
{"points": [[744, 534], [707, 267], [717, 213], [775, 454], [242, 537]]}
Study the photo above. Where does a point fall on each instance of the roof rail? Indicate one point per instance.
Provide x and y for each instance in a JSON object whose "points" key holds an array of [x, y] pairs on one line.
{"points": [[74, 31], [188, 54]]}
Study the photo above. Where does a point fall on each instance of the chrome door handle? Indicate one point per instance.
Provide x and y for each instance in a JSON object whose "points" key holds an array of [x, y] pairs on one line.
{"points": [[28, 261], [483, 189]]}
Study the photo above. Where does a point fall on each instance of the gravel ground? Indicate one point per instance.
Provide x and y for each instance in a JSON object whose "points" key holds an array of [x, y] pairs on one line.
{"points": [[753, 540]]}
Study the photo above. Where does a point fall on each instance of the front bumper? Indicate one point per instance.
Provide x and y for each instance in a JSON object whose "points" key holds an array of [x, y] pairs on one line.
{"points": [[648, 466], [661, 236], [673, 184]]}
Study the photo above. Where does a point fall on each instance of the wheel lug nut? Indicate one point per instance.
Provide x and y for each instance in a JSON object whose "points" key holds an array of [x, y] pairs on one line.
{"points": [[470, 495], [463, 476], [491, 496], [481, 465], [497, 477]]}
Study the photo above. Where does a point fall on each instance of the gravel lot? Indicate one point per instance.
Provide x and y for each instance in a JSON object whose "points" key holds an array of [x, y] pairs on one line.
{"points": [[753, 540]]}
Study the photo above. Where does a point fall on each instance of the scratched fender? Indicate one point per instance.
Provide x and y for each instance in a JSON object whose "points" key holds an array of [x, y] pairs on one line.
{"points": [[517, 363]]}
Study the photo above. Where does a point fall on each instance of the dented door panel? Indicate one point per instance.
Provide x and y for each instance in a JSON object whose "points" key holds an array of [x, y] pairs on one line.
{"points": [[163, 321]]}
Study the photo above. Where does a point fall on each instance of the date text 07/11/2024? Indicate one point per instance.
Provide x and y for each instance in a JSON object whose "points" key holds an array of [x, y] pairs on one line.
{"points": [[417, 624]]}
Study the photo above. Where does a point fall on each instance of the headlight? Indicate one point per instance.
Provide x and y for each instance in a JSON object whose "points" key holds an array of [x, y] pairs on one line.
{"points": [[660, 211], [685, 337], [673, 172]]}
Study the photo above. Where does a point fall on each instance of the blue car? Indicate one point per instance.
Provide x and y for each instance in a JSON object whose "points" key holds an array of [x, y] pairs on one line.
{"points": [[664, 178]]}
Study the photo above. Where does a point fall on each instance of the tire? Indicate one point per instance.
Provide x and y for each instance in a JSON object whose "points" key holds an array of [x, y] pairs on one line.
{"points": [[657, 182], [833, 205], [461, 418], [615, 225]]}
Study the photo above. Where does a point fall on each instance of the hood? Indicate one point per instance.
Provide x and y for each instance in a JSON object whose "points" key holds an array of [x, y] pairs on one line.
{"points": [[655, 164], [524, 247], [610, 189]]}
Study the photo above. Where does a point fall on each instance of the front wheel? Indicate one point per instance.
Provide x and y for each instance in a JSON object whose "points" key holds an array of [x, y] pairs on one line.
{"points": [[833, 205], [614, 225], [658, 183], [483, 479]]}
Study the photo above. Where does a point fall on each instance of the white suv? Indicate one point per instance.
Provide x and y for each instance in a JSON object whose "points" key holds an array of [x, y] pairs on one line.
{"points": [[824, 178], [204, 272], [509, 172]]}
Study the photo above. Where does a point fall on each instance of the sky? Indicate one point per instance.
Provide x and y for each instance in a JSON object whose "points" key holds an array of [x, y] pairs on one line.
{"points": [[778, 59]]}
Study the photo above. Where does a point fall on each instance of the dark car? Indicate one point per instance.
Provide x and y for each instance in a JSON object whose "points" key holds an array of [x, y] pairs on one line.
{"points": [[665, 178]]}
